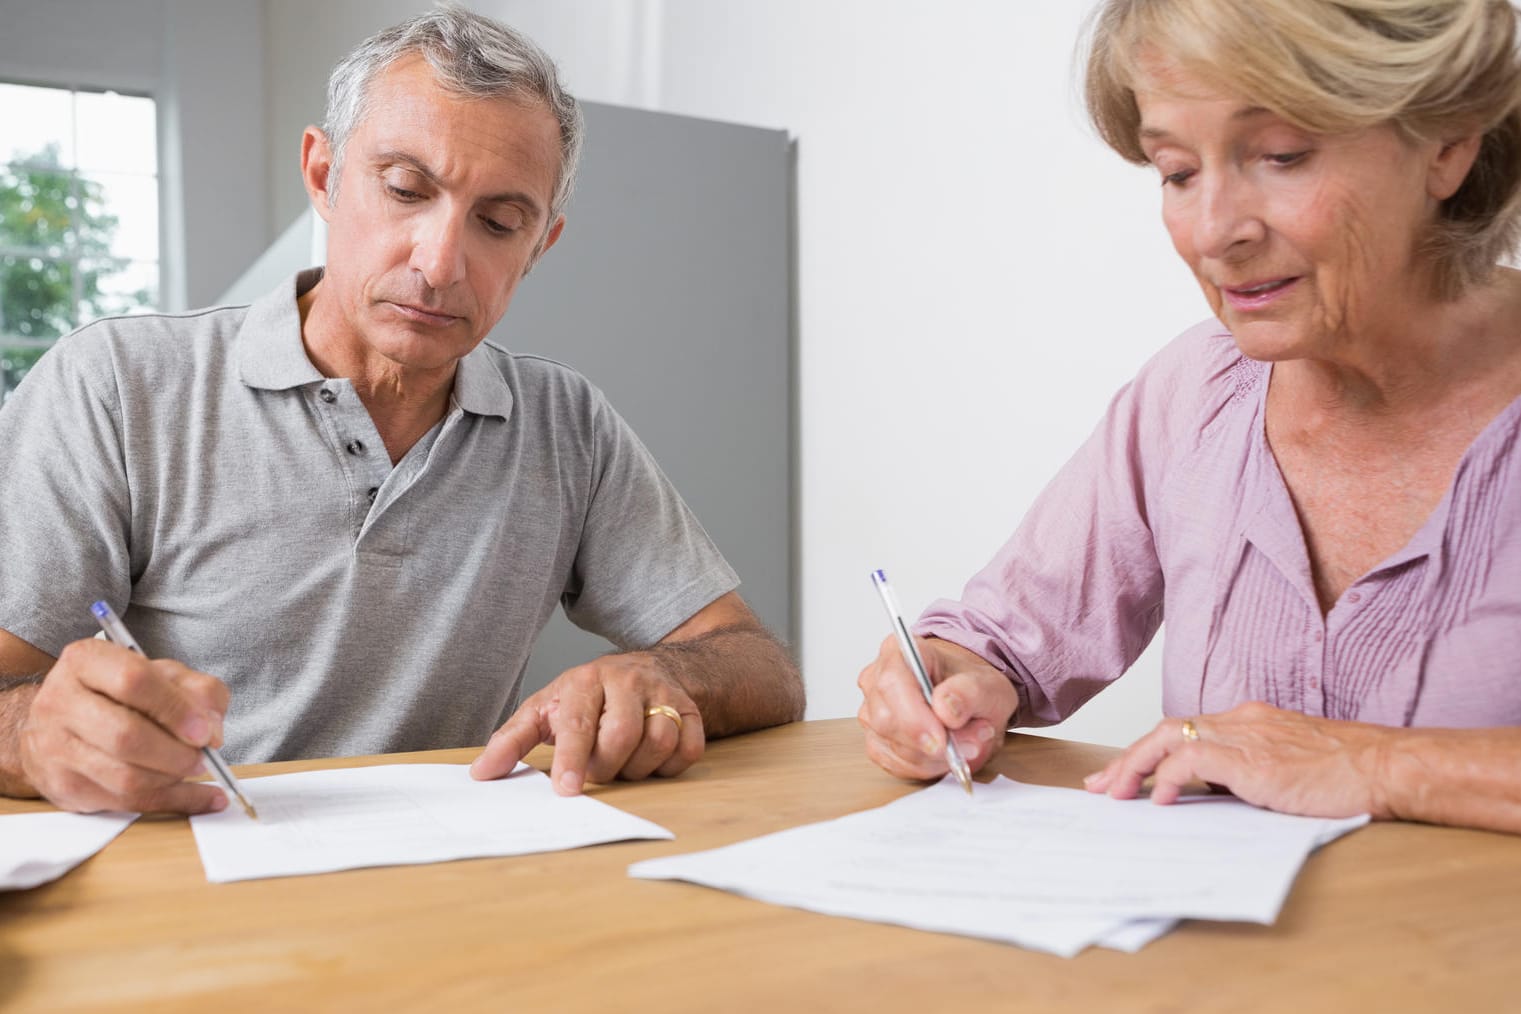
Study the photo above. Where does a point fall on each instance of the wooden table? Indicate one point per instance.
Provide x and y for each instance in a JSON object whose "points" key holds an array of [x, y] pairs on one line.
{"points": [[1392, 918]]}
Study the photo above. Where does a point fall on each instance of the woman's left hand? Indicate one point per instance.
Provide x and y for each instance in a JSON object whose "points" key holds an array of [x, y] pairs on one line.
{"points": [[1281, 760]]}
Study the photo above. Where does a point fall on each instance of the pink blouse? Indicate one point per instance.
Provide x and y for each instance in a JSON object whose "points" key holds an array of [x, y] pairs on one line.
{"points": [[1175, 507]]}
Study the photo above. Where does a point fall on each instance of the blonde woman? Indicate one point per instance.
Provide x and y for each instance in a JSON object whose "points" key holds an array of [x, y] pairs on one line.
{"points": [[1320, 487]]}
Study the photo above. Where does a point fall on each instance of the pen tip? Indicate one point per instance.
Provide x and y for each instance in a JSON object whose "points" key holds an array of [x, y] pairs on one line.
{"points": [[248, 809]]}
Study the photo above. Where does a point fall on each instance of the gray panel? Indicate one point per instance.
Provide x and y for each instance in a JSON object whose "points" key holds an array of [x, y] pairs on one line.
{"points": [[670, 289]]}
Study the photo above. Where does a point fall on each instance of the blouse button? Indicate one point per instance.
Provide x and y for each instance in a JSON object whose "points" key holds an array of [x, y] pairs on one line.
{"points": [[1354, 596], [327, 395], [354, 447]]}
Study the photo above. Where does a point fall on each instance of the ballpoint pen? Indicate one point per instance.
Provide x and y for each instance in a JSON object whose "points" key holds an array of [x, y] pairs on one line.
{"points": [[911, 656], [118, 633]]}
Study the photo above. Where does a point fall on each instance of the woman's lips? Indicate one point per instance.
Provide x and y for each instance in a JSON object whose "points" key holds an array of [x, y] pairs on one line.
{"points": [[1256, 295]]}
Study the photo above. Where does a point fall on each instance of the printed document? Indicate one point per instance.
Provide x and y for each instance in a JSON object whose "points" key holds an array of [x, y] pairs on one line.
{"points": [[399, 814], [38, 847], [1046, 868]]}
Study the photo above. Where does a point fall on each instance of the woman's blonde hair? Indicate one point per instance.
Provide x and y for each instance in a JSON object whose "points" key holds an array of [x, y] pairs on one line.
{"points": [[1434, 69]]}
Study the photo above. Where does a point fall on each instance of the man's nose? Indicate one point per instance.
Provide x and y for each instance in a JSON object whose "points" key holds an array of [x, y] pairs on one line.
{"points": [[438, 250]]}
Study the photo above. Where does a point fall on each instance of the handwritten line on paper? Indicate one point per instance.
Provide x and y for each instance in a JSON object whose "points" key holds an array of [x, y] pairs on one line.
{"points": [[1051, 869], [400, 814]]}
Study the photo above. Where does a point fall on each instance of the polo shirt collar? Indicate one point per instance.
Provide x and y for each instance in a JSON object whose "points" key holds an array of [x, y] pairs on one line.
{"points": [[479, 387], [271, 355]]}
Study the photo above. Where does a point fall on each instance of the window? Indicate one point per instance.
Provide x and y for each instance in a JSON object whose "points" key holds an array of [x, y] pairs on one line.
{"points": [[79, 223]]}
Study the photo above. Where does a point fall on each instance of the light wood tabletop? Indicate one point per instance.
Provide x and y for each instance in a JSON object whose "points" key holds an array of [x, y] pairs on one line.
{"points": [[1394, 917]]}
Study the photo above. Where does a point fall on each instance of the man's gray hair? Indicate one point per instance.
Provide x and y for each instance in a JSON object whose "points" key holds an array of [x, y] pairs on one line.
{"points": [[473, 56]]}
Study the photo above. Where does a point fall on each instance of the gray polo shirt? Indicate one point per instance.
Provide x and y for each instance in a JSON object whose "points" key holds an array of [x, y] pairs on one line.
{"points": [[241, 513]]}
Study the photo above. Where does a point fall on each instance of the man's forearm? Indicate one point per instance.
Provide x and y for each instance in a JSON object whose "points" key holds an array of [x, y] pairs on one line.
{"points": [[16, 693], [741, 678]]}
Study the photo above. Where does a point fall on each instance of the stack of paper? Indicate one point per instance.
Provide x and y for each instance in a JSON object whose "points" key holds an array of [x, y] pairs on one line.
{"points": [[38, 847], [1050, 869], [399, 814]]}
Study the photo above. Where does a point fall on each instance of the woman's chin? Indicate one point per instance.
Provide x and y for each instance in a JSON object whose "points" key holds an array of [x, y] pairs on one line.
{"points": [[1268, 341]]}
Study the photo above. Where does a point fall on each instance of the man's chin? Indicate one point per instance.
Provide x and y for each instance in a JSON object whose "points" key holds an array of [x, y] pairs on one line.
{"points": [[421, 353]]}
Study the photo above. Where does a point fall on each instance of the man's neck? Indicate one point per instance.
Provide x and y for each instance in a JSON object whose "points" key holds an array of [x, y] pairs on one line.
{"points": [[403, 403]]}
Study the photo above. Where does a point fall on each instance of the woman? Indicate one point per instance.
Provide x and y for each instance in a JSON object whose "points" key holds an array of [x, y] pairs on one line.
{"points": [[1320, 488]]}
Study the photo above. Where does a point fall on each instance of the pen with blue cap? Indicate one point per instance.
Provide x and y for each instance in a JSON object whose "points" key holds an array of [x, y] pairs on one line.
{"points": [[118, 634], [953, 756]]}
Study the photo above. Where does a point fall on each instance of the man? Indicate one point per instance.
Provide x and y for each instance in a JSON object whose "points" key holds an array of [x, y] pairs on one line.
{"points": [[343, 502]]}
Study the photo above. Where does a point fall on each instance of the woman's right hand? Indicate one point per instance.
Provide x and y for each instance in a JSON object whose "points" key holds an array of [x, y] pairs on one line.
{"points": [[905, 736]]}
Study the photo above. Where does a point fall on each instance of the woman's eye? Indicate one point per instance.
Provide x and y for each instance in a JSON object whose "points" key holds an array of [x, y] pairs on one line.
{"points": [[1176, 178], [1286, 158]]}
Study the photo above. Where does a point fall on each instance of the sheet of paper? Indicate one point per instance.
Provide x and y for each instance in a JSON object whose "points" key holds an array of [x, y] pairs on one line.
{"points": [[38, 847], [399, 814], [1131, 936], [1051, 869]]}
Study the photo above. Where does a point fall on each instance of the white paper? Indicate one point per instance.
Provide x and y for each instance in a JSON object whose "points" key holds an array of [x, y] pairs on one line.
{"points": [[399, 814], [1050, 869], [38, 847], [1131, 936]]}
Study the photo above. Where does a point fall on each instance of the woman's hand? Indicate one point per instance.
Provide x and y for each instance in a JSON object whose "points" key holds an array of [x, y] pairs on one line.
{"points": [[1281, 760], [973, 701]]}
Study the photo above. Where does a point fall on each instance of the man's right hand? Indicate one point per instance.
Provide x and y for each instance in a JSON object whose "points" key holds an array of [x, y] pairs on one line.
{"points": [[905, 736], [111, 730]]}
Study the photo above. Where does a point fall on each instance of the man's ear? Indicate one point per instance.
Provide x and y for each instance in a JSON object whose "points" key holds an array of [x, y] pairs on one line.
{"points": [[550, 239], [317, 169]]}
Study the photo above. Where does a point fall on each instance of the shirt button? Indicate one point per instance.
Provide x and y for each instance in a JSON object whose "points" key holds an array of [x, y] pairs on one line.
{"points": [[372, 492], [354, 447], [1354, 596], [1320, 635], [327, 395], [1314, 683]]}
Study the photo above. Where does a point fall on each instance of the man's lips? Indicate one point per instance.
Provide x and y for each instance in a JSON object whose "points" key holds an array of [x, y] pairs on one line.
{"points": [[422, 315]]}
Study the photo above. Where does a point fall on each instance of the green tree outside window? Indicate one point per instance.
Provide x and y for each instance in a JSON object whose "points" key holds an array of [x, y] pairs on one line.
{"points": [[74, 165]]}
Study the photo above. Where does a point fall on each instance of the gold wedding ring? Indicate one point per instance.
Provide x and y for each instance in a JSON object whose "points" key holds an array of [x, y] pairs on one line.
{"points": [[1190, 730], [667, 711]]}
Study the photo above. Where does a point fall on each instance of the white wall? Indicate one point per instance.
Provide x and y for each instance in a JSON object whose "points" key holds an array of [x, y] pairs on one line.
{"points": [[977, 273], [202, 61]]}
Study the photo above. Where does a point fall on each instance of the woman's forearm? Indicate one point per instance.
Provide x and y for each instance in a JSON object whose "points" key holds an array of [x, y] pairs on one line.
{"points": [[1463, 777]]}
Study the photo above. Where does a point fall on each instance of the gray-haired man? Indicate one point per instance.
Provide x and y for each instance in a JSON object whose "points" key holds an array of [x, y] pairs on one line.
{"points": [[343, 503]]}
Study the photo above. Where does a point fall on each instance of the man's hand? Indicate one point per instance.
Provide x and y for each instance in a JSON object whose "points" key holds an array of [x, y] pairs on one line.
{"points": [[111, 730], [596, 717], [973, 701], [1281, 760], [720, 671]]}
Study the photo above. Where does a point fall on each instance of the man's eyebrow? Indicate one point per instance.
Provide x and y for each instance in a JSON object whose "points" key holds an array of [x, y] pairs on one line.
{"points": [[1149, 133], [398, 157]]}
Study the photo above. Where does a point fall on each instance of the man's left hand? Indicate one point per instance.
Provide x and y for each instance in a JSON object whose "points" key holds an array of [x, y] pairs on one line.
{"points": [[602, 721]]}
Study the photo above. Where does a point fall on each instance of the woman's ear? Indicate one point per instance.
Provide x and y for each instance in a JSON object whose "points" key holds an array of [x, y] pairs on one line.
{"points": [[1451, 165]]}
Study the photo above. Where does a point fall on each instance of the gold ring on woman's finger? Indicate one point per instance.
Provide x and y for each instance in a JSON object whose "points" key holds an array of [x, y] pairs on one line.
{"points": [[1190, 731], [667, 711]]}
